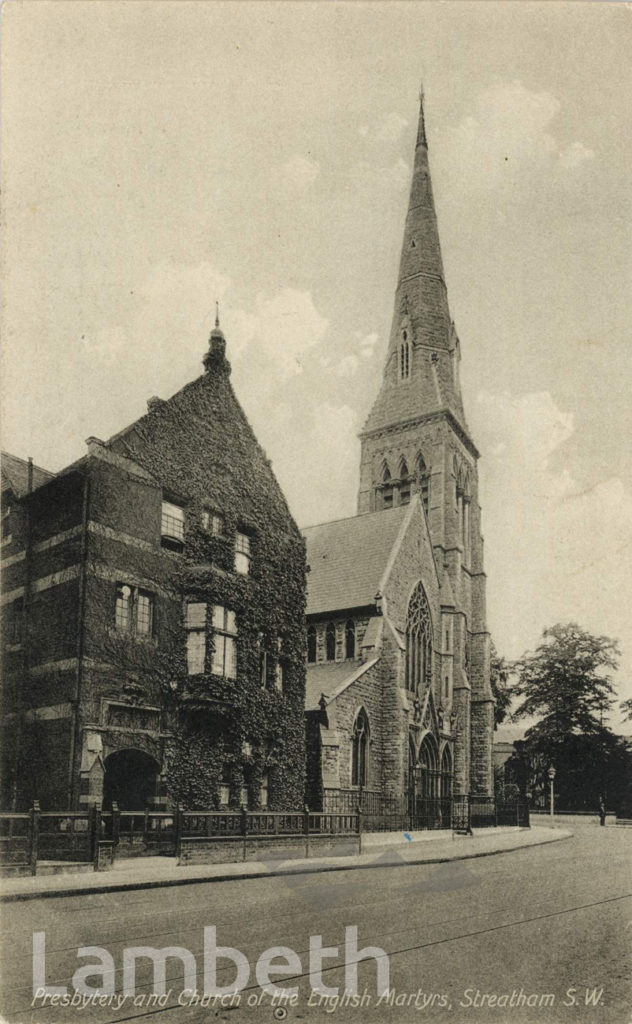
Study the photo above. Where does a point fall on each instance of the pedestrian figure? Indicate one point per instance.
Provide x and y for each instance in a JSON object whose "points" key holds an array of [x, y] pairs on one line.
{"points": [[602, 812]]}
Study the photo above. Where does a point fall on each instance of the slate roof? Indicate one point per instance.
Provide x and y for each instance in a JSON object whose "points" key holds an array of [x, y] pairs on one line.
{"points": [[347, 559], [326, 679], [15, 474]]}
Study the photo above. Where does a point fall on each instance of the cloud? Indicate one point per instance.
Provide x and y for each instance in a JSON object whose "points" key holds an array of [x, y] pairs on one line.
{"points": [[509, 135], [388, 130], [283, 327], [298, 173], [367, 345], [371, 177], [554, 551]]}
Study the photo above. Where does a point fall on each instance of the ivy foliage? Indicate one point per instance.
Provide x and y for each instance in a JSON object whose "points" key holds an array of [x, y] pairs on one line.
{"points": [[202, 450]]}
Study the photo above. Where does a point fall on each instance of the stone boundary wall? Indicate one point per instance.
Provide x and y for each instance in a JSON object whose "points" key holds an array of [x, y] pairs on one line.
{"points": [[205, 850]]}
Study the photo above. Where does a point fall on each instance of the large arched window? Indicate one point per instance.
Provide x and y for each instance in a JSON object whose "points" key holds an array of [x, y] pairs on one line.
{"points": [[418, 641], [387, 488], [330, 642], [360, 749], [311, 644], [423, 482], [350, 639]]}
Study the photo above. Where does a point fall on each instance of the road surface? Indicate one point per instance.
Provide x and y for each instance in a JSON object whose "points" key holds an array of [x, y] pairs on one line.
{"points": [[539, 935]]}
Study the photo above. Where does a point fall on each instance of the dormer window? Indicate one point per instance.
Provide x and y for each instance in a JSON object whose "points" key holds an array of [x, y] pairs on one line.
{"points": [[172, 526], [404, 357], [242, 554]]}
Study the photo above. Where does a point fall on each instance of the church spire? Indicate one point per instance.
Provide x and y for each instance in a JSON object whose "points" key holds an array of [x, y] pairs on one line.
{"points": [[420, 374], [421, 126]]}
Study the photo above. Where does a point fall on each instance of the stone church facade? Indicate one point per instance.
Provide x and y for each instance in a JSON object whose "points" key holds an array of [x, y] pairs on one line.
{"points": [[399, 702]]}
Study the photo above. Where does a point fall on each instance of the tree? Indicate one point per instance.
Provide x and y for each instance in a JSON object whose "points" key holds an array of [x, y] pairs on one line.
{"points": [[566, 683], [626, 708], [500, 670]]}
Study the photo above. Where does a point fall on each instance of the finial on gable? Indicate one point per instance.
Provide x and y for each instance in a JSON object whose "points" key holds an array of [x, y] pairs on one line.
{"points": [[215, 358]]}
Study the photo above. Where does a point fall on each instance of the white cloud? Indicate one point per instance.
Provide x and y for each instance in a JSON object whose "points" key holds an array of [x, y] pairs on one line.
{"points": [[391, 128], [508, 136], [283, 327], [367, 345], [299, 172], [574, 155], [347, 366], [554, 552], [388, 130], [369, 177]]}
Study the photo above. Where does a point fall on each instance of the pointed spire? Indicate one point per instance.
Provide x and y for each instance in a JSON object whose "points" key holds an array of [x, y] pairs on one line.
{"points": [[216, 313], [425, 381], [421, 127]]}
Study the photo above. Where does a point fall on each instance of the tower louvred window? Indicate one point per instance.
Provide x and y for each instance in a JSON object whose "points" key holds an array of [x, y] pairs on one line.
{"points": [[404, 357], [387, 488]]}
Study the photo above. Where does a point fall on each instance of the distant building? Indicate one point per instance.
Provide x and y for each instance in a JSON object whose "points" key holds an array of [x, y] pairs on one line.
{"points": [[399, 704], [154, 597]]}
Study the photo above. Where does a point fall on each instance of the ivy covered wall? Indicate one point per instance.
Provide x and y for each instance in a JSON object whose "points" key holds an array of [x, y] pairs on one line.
{"points": [[200, 448]]}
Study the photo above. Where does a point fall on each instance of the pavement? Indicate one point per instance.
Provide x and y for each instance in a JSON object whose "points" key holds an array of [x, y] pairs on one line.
{"points": [[380, 850]]}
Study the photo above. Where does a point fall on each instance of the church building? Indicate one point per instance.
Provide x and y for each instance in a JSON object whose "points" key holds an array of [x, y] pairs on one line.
{"points": [[398, 699]]}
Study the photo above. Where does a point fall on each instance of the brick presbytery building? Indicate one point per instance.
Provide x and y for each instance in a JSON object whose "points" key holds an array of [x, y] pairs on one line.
{"points": [[399, 702], [154, 600]]}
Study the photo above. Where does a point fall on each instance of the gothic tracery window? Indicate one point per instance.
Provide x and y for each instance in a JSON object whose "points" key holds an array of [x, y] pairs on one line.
{"points": [[418, 641], [360, 749], [330, 642], [311, 644], [350, 639]]}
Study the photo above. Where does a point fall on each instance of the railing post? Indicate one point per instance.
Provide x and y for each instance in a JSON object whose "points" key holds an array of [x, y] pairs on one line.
{"points": [[244, 828], [177, 828], [116, 823], [96, 833], [146, 828], [359, 828], [306, 828], [34, 836]]}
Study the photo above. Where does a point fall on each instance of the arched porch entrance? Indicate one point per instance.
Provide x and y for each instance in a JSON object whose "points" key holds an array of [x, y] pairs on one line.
{"points": [[429, 785], [131, 780]]}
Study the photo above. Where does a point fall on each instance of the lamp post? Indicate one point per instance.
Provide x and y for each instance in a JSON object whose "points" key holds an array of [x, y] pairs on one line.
{"points": [[551, 797]]}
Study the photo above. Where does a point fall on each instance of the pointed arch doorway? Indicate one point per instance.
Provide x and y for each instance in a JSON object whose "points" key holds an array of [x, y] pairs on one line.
{"points": [[428, 804]]}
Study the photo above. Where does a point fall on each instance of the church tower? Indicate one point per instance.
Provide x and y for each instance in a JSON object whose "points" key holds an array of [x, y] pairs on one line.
{"points": [[416, 440]]}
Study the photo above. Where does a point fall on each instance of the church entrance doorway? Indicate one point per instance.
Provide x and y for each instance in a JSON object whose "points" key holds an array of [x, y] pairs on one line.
{"points": [[428, 804], [131, 779]]}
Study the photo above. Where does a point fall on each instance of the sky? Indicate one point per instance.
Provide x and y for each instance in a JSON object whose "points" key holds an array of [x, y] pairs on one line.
{"points": [[158, 157]]}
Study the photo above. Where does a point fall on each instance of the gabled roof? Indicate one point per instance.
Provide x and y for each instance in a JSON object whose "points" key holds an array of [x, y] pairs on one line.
{"points": [[15, 475], [330, 678], [348, 557], [326, 678]]}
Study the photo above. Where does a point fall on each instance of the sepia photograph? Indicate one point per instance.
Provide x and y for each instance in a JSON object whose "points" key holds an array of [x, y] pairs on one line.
{"points": [[316, 512]]}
